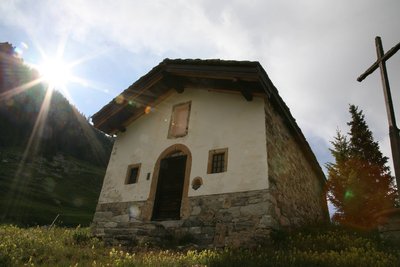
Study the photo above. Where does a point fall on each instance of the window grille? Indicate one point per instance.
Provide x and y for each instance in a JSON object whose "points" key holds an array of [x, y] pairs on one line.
{"points": [[218, 163], [217, 160]]}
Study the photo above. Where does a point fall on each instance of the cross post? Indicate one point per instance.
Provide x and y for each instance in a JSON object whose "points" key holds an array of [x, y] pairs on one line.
{"points": [[393, 130]]}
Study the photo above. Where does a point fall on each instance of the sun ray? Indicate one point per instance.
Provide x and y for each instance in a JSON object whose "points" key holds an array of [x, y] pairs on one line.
{"points": [[61, 46], [87, 58], [34, 138], [65, 92], [90, 84], [20, 181], [89, 133], [19, 89], [40, 49]]}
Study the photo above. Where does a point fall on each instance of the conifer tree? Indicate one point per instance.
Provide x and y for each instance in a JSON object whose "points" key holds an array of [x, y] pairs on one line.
{"points": [[359, 182]]}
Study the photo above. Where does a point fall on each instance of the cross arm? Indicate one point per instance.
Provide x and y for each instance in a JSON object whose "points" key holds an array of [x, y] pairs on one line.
{"points": [[374, 66]]}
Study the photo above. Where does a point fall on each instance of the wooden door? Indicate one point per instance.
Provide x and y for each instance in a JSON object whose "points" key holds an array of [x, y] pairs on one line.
{"points": [[167, 203]]}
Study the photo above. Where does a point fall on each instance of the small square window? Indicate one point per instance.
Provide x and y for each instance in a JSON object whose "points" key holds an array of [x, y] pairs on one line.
{"points": [[179, 123], [132, 174], [218, 163], [217, 160]]}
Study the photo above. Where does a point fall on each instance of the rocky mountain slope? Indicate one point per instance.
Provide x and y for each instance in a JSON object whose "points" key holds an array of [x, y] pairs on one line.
{"points": [[52, 161]]}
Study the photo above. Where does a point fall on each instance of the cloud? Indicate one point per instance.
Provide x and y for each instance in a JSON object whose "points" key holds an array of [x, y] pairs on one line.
{"points": [[312, 50]]}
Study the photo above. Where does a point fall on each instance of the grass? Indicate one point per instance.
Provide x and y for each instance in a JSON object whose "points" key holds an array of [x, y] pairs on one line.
{"points": [[75, 247], [48, 187]]}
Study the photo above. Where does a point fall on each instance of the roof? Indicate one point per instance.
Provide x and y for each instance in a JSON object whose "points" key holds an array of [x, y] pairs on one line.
{"points": [[247, 77]]}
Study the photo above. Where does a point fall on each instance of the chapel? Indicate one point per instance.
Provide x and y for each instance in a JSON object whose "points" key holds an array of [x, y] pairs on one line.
{"points": [[205, 148]]}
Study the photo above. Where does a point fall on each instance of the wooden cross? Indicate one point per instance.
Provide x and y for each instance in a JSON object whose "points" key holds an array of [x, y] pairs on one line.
{"points": [[393, 130]]}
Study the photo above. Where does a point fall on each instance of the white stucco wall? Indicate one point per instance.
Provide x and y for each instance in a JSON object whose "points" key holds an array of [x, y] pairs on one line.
{"points": [[217, 120]]}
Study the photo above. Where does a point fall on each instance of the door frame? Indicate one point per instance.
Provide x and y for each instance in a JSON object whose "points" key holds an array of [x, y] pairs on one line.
{"points": [[184, 211]]}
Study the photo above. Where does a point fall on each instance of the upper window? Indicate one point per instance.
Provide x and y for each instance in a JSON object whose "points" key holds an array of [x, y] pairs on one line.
{"points": [[217, 160], [132, 174], [179, 124]]}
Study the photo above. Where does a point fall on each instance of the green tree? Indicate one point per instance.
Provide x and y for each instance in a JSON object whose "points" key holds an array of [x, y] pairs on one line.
{"points": [[360, 184]]}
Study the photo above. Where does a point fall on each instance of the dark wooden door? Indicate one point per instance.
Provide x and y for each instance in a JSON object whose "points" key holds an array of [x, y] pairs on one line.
{"points": [[167, 203]]}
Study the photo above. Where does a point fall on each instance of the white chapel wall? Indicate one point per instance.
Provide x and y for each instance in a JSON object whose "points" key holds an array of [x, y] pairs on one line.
{"points": [[217, 120]]}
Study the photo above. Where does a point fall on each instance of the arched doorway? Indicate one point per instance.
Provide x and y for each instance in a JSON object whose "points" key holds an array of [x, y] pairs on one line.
{"points": [[170, 183]]}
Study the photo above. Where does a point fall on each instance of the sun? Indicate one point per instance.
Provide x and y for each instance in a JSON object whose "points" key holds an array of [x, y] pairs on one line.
{"points": [[55, 72]]}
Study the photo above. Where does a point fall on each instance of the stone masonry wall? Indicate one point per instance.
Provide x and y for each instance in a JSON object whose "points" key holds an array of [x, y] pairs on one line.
{"points": [[232, 219], [389, 225], [297, 189], [113, 215]]}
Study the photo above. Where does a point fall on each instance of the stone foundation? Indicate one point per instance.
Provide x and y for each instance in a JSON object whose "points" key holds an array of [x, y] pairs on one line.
{"points": [[234, 219], [389, 225]]}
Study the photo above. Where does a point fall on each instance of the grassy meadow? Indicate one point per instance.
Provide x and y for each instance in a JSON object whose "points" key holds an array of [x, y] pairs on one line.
{"points": [[46, 187], [56, 246]]}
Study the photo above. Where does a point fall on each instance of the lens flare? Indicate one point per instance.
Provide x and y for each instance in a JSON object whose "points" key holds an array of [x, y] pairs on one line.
{"points": [[147, 110], [120, 99], [132, 103], [348, 194], [134, 212]]}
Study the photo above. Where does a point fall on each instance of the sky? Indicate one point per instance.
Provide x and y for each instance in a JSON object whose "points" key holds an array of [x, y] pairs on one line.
{"points": [[313, 50]]}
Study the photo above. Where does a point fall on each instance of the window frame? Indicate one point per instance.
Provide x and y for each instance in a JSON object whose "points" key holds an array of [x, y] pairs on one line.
{"points": [[171, 135], [211, 154], [129, 171]]}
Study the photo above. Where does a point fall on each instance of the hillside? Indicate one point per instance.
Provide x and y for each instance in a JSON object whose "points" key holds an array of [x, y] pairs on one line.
{"points": [[44, 188], [52, 161]]}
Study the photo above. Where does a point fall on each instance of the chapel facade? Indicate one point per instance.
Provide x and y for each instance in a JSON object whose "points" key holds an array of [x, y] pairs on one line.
{"points": [[205, 148]]}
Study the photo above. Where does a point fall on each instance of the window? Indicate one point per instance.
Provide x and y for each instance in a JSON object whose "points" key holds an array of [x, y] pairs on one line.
{"points": [[179, 123], [132, 174], [217, 160]]}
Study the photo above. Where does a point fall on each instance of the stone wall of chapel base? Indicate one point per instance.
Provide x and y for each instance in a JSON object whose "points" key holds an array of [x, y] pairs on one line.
{"points": [[232, 219], [389, 225]]}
